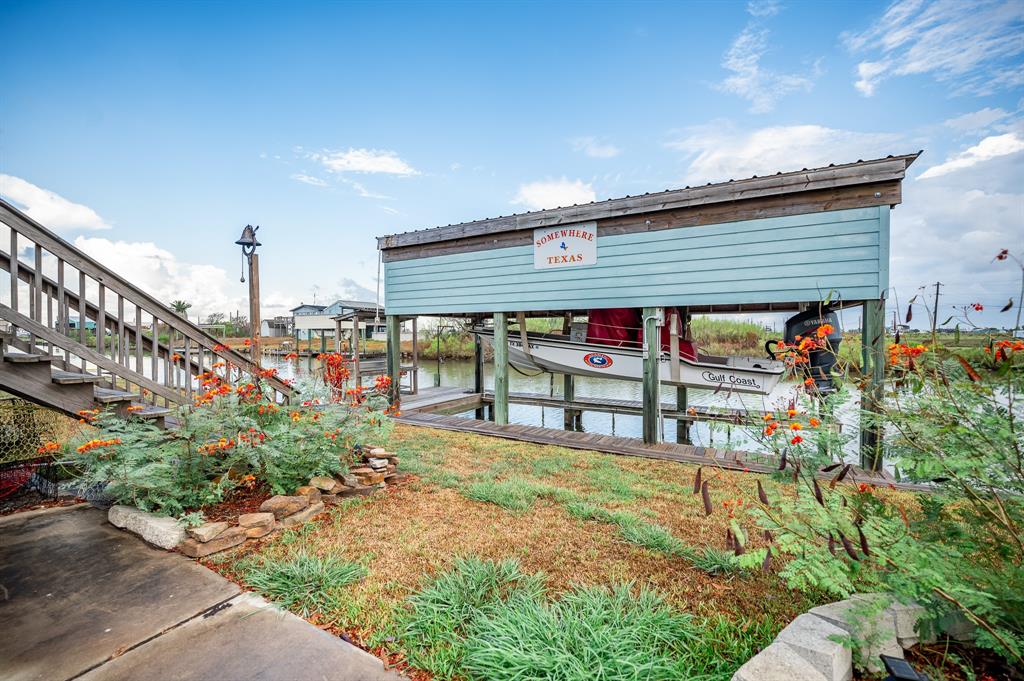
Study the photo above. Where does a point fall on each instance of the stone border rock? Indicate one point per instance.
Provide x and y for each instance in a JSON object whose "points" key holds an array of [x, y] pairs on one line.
{"points": [[806, 650], [377, 469]]}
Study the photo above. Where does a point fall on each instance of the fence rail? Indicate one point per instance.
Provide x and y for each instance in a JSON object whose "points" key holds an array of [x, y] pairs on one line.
{"points": [[56, 291]]}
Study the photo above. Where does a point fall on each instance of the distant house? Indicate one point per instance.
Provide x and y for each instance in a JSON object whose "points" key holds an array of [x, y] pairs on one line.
{"points": [[276, 327], [89, 325], [310, 321]]}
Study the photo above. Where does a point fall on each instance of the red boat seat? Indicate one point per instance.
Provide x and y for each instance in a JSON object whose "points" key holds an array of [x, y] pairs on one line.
{"points": [[617, 326]]}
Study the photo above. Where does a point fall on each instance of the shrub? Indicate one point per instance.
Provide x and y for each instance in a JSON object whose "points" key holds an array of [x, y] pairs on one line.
{"points": [[232, 435], [957, 549]]}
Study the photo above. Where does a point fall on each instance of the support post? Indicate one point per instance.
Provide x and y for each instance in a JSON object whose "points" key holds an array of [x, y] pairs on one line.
{"points": [[415, 359], [254, 306], [337, 336], [651, 386], [395, 357], [500, 368], [873, 369], [478, 373], [355, 352], [682, 398]]}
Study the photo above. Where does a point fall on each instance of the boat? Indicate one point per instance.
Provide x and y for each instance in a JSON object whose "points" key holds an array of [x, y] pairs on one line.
{"points": [[560, 354]]}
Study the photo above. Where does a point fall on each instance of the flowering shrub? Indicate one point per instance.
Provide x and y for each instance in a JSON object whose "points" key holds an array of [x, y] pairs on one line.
{"points": [[954, 424], [231, 435]]}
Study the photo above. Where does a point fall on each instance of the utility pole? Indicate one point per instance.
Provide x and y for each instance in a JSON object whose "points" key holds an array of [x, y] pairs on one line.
{"points": [[935, 312]]}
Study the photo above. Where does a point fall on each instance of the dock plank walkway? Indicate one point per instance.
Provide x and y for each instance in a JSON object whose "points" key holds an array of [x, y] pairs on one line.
{"points": [[624, 446]]}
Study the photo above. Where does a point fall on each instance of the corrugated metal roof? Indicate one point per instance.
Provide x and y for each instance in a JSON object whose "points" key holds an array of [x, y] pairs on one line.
{"points": [[655, 198]]}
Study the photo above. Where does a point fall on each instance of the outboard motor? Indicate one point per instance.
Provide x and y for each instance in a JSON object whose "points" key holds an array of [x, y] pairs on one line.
{"points": [[821, 362]]}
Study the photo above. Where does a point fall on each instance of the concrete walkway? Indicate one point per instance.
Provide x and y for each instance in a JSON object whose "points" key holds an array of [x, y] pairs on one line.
{"points": [[80, 599]]}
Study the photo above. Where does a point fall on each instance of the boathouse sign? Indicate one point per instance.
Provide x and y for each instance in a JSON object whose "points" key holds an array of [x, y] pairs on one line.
{"points": [[565, 246]]}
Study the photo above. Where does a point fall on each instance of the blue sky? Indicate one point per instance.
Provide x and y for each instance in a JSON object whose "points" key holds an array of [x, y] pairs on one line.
{"points": [[151, 133]]}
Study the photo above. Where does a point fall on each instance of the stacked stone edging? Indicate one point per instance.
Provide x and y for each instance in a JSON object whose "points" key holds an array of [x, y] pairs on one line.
{"points": [[376, 469], [806, 650]]}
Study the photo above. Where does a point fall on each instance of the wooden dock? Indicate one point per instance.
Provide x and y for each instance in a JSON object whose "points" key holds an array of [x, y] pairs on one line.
{"points": [[424, 410], [665, 451]]}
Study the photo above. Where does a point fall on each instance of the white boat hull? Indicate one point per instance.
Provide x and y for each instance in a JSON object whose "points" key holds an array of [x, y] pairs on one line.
{"points": [[738, 374]]}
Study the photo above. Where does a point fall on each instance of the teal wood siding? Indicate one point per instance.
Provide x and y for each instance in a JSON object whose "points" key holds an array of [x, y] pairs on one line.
{"points": [[772, 260]]}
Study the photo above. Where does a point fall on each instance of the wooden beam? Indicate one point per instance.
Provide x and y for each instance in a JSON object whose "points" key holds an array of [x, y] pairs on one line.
{"points": [[395, 357], [478, 371], [652, 385], [873, 368], [500, 368]]}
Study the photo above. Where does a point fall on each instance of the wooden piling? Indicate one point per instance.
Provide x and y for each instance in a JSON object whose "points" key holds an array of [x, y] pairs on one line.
{"points": [[652, 385], [873, 368], [500, 368], [394, 357]]}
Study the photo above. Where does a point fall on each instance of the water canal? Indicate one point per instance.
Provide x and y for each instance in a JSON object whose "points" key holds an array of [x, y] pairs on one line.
{"points": [[459, 373]]}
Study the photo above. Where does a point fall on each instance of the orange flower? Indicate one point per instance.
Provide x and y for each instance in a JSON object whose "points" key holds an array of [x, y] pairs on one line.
{"points": [[791, 412], [295, 416], [809, 382], [768, 417], [220, 347], [176, 357], [96, 444], [134, 408], [292, 355], [796, 440], [48, 447], [824, 330], [814, 422], [795, 426], [247, 342]]}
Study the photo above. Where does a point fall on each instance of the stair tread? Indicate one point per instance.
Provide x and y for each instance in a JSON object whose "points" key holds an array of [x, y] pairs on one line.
{"points": [[72, 377], [151, 412], [24, 357], [111, 395]]}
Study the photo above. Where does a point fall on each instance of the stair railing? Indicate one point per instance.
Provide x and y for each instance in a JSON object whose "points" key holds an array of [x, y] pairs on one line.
{"points": [[56, 292]]}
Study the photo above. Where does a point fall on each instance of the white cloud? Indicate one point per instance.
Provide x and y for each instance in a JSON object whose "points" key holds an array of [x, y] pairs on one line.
{"points": [[868, 73], [554, 193], [309, 179], [594, 148], [949, 228], [761, 86], [976, 120], [985, 150], [973, 46], [366, 193], [720, 152], [49, 208], [162, 275], [764, 8], [364, 161]]}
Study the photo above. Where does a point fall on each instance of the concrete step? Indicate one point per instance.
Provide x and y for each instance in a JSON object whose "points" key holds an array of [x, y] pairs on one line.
{"points": [[71, 378], [109, 396]]}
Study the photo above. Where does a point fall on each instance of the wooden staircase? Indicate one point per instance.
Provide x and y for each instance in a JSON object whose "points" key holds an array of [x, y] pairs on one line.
{"points": [[103, 343]]}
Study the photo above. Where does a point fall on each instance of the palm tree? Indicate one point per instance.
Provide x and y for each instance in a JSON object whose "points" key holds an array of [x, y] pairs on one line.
{"points": [[181, 307]]}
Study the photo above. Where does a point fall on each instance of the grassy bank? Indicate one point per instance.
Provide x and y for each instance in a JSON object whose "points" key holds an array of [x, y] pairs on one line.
{"points": [[497, 541]]}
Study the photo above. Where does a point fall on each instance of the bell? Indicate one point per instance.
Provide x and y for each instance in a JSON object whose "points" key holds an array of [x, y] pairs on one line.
{"points": [[248, 240]]}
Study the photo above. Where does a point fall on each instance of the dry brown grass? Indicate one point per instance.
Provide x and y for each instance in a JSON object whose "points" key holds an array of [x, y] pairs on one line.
{"points": [[417, 530]]}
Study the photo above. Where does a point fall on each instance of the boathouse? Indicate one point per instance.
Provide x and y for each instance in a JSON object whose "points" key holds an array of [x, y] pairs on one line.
{"points": [[783, 242]]}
